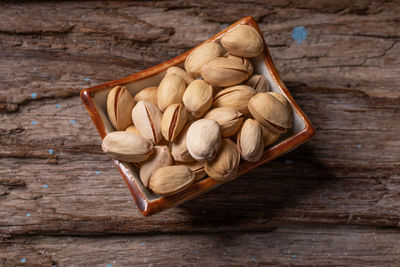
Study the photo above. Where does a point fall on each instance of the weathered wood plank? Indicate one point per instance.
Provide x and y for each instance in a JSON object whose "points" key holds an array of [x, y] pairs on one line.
{"points": [[286, 246], [54, 180]]}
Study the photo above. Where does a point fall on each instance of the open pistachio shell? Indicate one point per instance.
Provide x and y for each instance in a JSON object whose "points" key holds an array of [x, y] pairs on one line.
{"points": [[225, 165], [259, 83], [173, 121], [235, 97], [147, 120], [126, 146], [197, 167], [244, 61], [119, 106], [224, 72], [243, 41], [271, 112]]}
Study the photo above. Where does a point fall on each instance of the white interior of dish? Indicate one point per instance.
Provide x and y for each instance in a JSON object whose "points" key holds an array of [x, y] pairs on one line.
{"points": [[100, 100]]}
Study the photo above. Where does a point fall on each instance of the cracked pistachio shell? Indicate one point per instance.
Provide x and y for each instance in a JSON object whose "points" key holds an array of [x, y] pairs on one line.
{"points": [[170, 91], [273, 114], [259, 83], [200, 56], [160, 158], [173, 121], [197, 167], [225, 165], [179, 148], [269, 136], [235, 97], [147, 120], [132, 129], [203, 139], [244, 61], [148, 94], [126, 146], [281, 98], [224, 72], [119, 106], [250, 140], [243, 41], [170, 180], [180, 72], [228, 119], [198, 98]]}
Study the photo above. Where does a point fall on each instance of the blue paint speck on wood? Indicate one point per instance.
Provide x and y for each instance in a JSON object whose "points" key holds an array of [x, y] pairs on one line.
{"points": [[294, 256], [109, 265], [97, 172], [51, 151], [87, 79], [299, 34], [288, 161], [359, 146], [45, 186], [58, 106], [28, 215], [142, 244], [196, 252], [34, 122], [253, 259], [23, 260], [33, 95], [72, 121]]}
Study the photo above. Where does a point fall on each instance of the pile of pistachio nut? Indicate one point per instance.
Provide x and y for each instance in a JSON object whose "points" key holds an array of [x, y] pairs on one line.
{"points": [[200, 120]]}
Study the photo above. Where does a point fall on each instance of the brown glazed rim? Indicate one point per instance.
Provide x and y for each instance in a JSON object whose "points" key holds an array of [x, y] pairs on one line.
{"points": [[150, 207]]}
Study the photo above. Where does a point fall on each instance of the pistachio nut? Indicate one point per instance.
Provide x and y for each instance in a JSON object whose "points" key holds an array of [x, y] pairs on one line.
{"points": [[203, 139], [173, 121], [224, 166], [132, 129], [197, 167], [119, 105], [243, 41], [179, 148], [223, 72], [170, 91], [126, 146], [161, 157], [244, 61], [171, 179], [250, 140], [147, 120], [273, 114], [180, 72], [198, 98], [148, 94], [259, 83], [281, 98], [235, 97], [269, 136], [229, 120], [200, 56]]}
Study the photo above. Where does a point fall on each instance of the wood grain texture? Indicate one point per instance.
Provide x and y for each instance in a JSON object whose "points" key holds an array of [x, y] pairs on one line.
{"points": [[338, 193]]}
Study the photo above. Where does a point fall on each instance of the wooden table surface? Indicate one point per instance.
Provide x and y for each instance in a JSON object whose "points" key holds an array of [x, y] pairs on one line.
{"points": [[333, 201]]}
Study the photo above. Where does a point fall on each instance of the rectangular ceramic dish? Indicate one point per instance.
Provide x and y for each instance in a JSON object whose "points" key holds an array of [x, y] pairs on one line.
{"points": [[149, 203]]}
